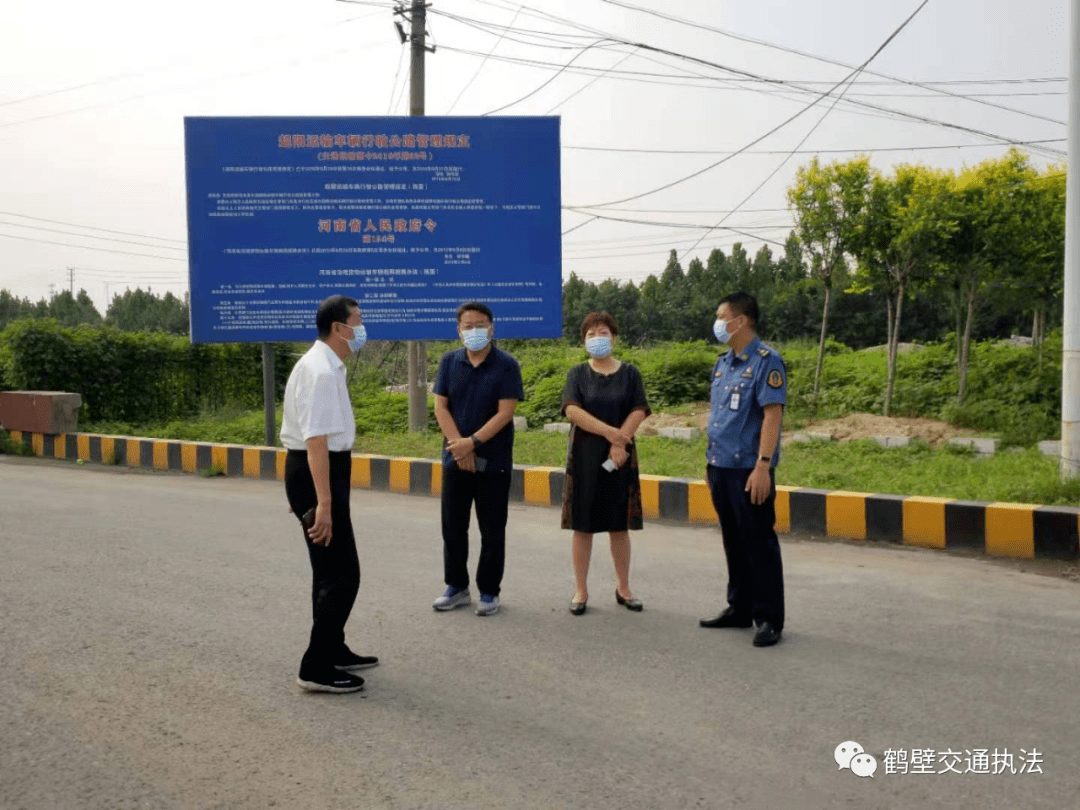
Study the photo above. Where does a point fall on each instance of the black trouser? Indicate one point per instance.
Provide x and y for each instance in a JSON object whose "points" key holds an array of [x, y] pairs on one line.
{"points": [[755, 571], [491, 493], [335, 568]]}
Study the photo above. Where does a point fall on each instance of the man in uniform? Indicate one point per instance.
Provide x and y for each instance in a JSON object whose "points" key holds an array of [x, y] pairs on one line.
{"points": [[749, 386], [318, 429]]}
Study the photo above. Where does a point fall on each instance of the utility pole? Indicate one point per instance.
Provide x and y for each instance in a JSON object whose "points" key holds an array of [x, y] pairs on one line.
{"points": [[1070, 361], [417, 349], [71, 280]]}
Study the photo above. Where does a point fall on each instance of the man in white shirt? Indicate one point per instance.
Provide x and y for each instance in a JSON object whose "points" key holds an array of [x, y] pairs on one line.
{"points": [[318, 429]]}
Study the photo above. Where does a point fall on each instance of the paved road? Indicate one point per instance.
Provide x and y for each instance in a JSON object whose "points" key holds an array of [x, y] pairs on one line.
{"points": [[151, 625]]}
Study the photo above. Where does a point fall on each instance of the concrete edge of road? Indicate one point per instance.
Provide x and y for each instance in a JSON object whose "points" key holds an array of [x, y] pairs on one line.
{"points": [[1025, 531]]}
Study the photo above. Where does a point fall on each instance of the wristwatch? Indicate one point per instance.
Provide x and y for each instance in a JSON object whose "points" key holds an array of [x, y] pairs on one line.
{"points": [[476, 442], [766, 459]]}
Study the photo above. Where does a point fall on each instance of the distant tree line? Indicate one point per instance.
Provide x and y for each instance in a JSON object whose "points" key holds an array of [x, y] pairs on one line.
{"points": [[132, 311]]}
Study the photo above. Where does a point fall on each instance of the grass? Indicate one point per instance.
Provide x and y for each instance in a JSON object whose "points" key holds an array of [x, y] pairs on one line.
{"points": [[1022, 476]]}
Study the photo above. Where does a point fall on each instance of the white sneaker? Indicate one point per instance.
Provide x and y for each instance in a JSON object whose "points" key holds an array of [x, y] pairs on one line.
{"points": [[487, 605], [452, 599]]}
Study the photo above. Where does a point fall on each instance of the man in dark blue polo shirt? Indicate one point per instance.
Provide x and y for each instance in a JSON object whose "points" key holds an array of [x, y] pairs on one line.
{"points": [[476, 391]]}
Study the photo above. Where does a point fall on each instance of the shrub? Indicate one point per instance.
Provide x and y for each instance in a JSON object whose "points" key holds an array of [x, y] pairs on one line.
{"points": [[134, 376]]}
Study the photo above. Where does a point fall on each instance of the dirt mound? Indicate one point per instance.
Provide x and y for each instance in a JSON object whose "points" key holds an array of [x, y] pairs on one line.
{"points": [[867, 425], [852, 426]]}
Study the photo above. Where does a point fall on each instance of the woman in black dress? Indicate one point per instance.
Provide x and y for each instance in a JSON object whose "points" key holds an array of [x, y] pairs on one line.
{"points": [[604, 400]]}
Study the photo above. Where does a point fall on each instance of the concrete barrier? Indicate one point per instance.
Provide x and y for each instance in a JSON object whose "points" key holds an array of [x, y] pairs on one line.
{"points": [[1019, 530]]}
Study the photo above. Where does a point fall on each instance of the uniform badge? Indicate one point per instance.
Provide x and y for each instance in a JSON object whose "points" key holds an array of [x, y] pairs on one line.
{"points": [[749, 373], [775, 379], [763, 352]]}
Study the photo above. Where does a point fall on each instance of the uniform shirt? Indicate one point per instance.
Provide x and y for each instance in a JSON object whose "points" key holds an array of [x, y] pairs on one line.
{"points": [[317, 402], [474, 394], [742, 385]]}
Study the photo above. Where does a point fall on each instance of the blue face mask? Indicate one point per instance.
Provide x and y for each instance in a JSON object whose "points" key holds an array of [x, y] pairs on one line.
{"points": [[359, 338], [475, 340], [720, 329], [598, 347]]}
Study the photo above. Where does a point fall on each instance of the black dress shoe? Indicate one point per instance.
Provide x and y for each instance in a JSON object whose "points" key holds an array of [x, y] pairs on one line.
{"points": [[577, 608], [729, 618], [766, 635], [629, 604]]}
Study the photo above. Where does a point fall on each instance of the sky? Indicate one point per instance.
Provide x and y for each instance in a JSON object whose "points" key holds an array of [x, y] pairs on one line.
{"points": [[93, 97]]}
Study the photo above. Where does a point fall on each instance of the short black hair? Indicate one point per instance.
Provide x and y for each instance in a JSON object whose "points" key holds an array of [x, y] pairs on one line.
{"points": [[335, 309], [474, 306], [594, 319], [743, 304]]}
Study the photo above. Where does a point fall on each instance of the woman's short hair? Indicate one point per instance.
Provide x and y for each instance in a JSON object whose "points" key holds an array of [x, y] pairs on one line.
{"points": [[594, 319]]}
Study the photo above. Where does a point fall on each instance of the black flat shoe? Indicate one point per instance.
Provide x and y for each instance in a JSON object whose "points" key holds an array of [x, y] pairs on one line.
{"points": [[766, 635], [577, 608], [629, 604], [729, 618]]}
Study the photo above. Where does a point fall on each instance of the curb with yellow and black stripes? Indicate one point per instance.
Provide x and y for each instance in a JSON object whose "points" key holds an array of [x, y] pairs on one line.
{"points": [[1019, 530]]}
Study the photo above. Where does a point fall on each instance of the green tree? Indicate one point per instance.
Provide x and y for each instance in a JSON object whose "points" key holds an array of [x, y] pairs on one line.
{"points": [[143, 311], [13, 308], [902, 233], [70, 310], [991, 205], [827, 203]]}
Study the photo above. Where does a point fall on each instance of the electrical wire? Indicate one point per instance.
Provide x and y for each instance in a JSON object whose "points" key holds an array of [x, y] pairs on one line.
{"points": [[480, 67], [763, 43], [806, 137], [590, 83], [780, 126], [186, 87], [582, 52], [87, 247], [185, 59], [394, 87], [90, 227], [789, 85], [91, 236], [806, 151]]}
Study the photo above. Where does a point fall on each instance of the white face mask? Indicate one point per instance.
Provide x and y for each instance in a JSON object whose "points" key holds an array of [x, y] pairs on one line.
{"points": [[719, 329], [598, 347], [475, 340], [359, 338]]}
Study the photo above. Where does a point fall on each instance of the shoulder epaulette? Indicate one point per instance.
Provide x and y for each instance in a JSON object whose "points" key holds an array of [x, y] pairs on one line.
{"points": [[763, 352]]}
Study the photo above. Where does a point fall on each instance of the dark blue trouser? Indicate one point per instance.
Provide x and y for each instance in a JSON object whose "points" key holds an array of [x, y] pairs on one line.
{"points": [[490, 491], [755, 570], [335, 568]]}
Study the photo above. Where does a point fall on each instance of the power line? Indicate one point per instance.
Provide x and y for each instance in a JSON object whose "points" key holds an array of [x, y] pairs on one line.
{"points": [[813, 129], [393, 86], [92, 236], [90, 227], [582, 52], [789, 85], [186, 87], [87, 247], [590, 83], [807, 151], [185, 59], [763, 43], [483, 62]]}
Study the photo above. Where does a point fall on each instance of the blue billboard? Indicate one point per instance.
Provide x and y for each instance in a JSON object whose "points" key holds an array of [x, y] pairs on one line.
{"points": [[409, 216]]}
